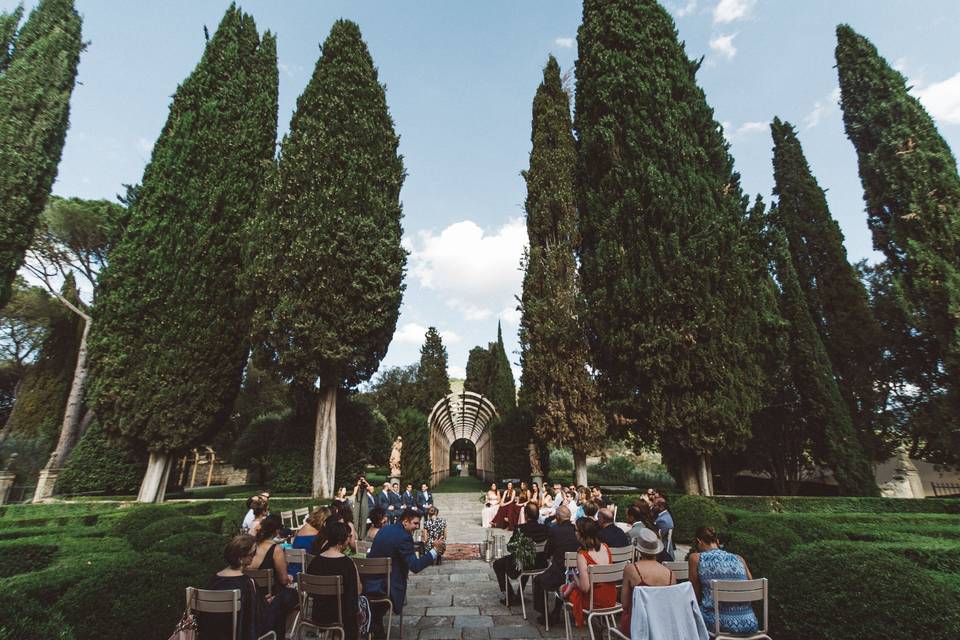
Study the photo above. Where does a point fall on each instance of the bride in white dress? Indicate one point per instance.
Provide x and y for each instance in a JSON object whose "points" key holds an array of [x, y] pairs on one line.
{"points": [[491, 505]]}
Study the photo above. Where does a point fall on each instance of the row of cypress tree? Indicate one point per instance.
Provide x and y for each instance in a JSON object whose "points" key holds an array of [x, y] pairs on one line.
{"points": [[716, 330]]}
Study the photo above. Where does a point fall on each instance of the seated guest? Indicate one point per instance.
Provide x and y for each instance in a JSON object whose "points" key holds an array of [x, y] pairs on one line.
{"points": [[610, 534], [256, 614], [424, 498], [637, 519], [395, 541], [259, 513], [333, 562], [597, 496], [262, 499], [306, 536], [592, 552], [507, 566], [546, 508], [710, 562], [561, 538], [435, 529], [269, 555], [346, 516], [378, 518], [645, 572], [341, 499], [663, 524], [408, 500]]}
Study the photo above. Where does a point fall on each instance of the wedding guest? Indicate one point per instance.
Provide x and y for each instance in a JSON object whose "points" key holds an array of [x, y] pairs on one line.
{"points": [[637, 517], [256, 612], [645, 572], [408, 499], [341, 498], [597, 495], [424, 498], [610, 534], [308, 534], [259, 500], [259, 513], [333, 562], [386, 502], [507, 566], [435, 529], [378, 519], [663, 524], [710, 562], [491, 506], [592, 552], [561, 538], [508, 513], [269, 555]]}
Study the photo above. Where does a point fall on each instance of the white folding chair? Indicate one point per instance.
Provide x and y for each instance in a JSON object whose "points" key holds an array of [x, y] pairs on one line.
{"points": [[309, 586], [363, 546], [680, 569], [598, 574], [738, 591], [569, 562], [521, 581], [286, 519], [220, 601], [300, 516], [263, 578], [296, 556]]}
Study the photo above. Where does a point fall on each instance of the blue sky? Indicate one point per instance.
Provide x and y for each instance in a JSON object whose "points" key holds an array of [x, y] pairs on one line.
{"points": [[460, 78]]}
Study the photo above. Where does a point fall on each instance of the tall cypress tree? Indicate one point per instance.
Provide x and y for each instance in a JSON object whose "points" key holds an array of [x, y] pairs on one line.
{"points": [[169, 338], [668, 291], [328, 264], [834, 440], [38, 68], [835, 296], [433, 382], [555, 384], [912, 194], [411, 425], [477, 366], [501, 387]]}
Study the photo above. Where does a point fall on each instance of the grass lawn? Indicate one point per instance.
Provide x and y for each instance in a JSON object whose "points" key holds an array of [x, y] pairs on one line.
{"points": [[461, 485]]}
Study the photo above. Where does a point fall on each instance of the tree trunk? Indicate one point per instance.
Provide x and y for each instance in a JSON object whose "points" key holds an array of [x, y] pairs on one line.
{"points": [[154, 484], [325, 444], [580, 469], [703, 475], [691, 486], [70, 430]]}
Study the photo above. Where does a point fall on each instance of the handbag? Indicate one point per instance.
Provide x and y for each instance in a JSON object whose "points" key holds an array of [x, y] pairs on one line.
{"points": [[186, 629]]}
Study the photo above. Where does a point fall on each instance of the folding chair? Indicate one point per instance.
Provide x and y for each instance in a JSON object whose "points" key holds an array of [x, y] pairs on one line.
{"points": [[263, 578], [286, 519], [529, 573], [680, 569], [569, 562], [300, 516], [621, 554], [379, 567], [739, 591], [296, 556], [217, 601], [598, 574], [363, 546], [308, 586]]}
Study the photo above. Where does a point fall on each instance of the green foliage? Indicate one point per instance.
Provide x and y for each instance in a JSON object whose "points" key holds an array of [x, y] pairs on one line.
{"points": [[332, 219], [561, 460], [255, 442], [22, 618], [511, 433], [171, 323], [362, 439], [835, 296], [796, 504], [394, 390], [202, 547], [762, 542], [150, 533], [24, 557], [556, 387], [666, 271], [433, 383], [882, 588], [411, 425], [912, 194], [692, 512], [290, 470], [101, 465], [36, 82], [24, 323], [135, 518], [478, 364], [622, 470]]}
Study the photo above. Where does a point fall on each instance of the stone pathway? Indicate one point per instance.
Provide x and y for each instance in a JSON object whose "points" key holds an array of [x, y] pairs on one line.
{"points": [[460, 600]]}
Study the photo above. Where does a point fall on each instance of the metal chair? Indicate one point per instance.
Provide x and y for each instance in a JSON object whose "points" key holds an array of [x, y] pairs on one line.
{"points": [[263, 578], [522, 580], [363, 546], [218, 601], [296, 556], [739, 591], [309, 586], [286, 519], [300, 516], [379, 567], [680, 569], [622, 554], [569, 562], [598, 574]]}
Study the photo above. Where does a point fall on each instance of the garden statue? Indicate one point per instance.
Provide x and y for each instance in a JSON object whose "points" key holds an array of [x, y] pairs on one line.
{"points": [[536, 471], [395, 457]]}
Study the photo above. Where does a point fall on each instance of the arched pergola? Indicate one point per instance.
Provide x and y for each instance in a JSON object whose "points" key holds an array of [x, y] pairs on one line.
{"points": [[461, 415]]}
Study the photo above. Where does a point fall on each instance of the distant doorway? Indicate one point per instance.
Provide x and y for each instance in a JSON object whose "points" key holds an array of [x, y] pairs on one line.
{"points": [[463, 458]]}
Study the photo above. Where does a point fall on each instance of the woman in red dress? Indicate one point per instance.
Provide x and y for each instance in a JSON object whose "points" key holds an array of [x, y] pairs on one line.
{"points": [[507, 515], [592, 552]]}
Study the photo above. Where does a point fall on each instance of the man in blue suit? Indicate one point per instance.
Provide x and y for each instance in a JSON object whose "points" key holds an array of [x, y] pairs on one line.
{"points": [[424, 499], [395, 541], [409, 500], [385, 502]]}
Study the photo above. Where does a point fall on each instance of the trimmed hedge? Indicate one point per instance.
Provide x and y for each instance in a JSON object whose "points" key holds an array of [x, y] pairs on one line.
{"points": [[25, 557], [762, 542], [691, 512], [843, 592], [136, 518], [798, 504], [20, 619], [203, 547], [153, 532]]}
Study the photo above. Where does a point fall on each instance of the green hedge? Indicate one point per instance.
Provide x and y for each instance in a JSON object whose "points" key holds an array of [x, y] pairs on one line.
{"points": [[135, 518], [99, 465], [153, 532], [203, 547], [25, 557], [797, 504], [838, 592], [691, 512], [762, 542], [21, 619]]}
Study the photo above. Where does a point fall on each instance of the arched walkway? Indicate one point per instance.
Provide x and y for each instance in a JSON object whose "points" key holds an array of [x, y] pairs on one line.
{"points": [[465, 415]]}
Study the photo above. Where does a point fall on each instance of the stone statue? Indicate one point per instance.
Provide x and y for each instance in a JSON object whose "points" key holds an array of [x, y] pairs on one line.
{"points": [[535, 469], [395, 457]]}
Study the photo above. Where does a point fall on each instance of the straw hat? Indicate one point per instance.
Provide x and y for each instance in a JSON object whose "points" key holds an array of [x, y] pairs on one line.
{"points": [[648, 542]]}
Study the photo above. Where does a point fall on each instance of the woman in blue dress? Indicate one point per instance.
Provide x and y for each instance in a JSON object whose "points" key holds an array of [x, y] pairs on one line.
{"points": [[710, 562]]}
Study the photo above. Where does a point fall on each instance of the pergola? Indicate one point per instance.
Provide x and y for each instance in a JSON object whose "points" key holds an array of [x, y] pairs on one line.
{"points": [[464, 415]]}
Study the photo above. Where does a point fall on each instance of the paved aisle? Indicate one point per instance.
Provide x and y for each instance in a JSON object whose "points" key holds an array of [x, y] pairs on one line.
{"points": [[462, 513], [460, 599]]}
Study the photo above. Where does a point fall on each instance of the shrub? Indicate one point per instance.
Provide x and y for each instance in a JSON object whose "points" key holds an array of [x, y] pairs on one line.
{"points": [[623, 470], [291, 471], [136, 517], [561, 460], [99, 607], [842, 592], [154, 532], [20, 618], [100, 465], [691, 512], [798, 504], [25, 557], [202, 547], [762, 542]]}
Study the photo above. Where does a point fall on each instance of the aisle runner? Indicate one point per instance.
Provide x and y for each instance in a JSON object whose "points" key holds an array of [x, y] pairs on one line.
{"points": [[462, 552]]}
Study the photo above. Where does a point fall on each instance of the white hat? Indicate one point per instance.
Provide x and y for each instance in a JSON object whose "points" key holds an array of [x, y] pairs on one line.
{"points": [[648, 542]]}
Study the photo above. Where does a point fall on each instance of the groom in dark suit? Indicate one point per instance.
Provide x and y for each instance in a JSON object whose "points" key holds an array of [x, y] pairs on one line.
{"points": [[395, 541], [424, 499]]}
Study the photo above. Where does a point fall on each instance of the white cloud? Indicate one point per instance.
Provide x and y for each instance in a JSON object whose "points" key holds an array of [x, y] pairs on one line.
{"points": [[457, 372], [469, 310], [510, 315], [464, 260], [732, 10], [724, 45], [821, 108], [942, 99], [684, 10], [566, 43], [413, 333]]}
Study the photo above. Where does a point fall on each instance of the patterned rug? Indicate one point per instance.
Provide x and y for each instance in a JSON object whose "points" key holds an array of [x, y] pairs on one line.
{"points": [[462, 552]]}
